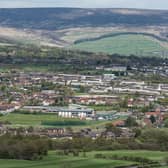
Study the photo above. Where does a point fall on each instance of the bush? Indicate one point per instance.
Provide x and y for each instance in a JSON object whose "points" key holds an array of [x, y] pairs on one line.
{"points": [[166, 160], [66, 152], [98, 156], [75, 153], [60, 153], [126, 158]]}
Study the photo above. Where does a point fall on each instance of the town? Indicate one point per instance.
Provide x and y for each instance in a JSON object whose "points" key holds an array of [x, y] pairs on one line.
{"points": [[115, 96], [83, 84]]}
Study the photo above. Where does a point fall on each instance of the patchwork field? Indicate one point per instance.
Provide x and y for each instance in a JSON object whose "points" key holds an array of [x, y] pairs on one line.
{"points": [[103, 39], [126, 45], [55, 161]]}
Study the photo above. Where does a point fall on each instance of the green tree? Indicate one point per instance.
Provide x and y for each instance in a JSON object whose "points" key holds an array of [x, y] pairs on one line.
{"points": [[152, 119], [131, 122], [110, 128], [166, 123], [137, 132]]}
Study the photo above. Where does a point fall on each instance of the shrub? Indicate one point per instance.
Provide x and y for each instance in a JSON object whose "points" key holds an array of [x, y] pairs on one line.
{"points": [[99, 156], [75, 153], [60, 153]]}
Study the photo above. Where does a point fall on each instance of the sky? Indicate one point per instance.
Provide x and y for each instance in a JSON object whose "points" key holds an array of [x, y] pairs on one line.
{"points": [[144, 4]]}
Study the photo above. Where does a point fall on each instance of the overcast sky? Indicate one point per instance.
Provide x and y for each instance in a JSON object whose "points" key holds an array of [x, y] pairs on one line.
{"points": [[149, 4]]}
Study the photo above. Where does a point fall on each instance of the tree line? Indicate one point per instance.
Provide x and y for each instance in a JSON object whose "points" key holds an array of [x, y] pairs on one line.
{"points": [[35, 147], [20, 55], [23, 147]]}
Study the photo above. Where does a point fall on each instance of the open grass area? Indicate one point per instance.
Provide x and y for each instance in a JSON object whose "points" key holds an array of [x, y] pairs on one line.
{"points": [[28, 119], [36, 120], [55, 161], [124, 44], [153, 155]]}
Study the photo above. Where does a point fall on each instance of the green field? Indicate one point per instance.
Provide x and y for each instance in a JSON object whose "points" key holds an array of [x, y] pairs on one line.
{"points": [[55, 161], [125, 44], [27, 119], [153, 155], [36, 120]]}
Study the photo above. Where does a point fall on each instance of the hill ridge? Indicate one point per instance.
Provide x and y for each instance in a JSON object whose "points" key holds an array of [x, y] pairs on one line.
{"points": [[62, 18]]}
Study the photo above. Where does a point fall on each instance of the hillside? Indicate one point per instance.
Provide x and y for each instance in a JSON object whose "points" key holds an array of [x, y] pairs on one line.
{"points": [[61, 18], [141, 45], [65, 27]]}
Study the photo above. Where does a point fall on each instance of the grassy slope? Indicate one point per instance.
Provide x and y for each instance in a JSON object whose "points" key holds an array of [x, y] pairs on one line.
{"points": [[54, 161], [123, 44]]}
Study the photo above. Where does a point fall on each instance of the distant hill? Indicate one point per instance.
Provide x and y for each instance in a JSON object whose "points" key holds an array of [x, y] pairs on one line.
{"points": [[95, 30], [61, 18]]}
